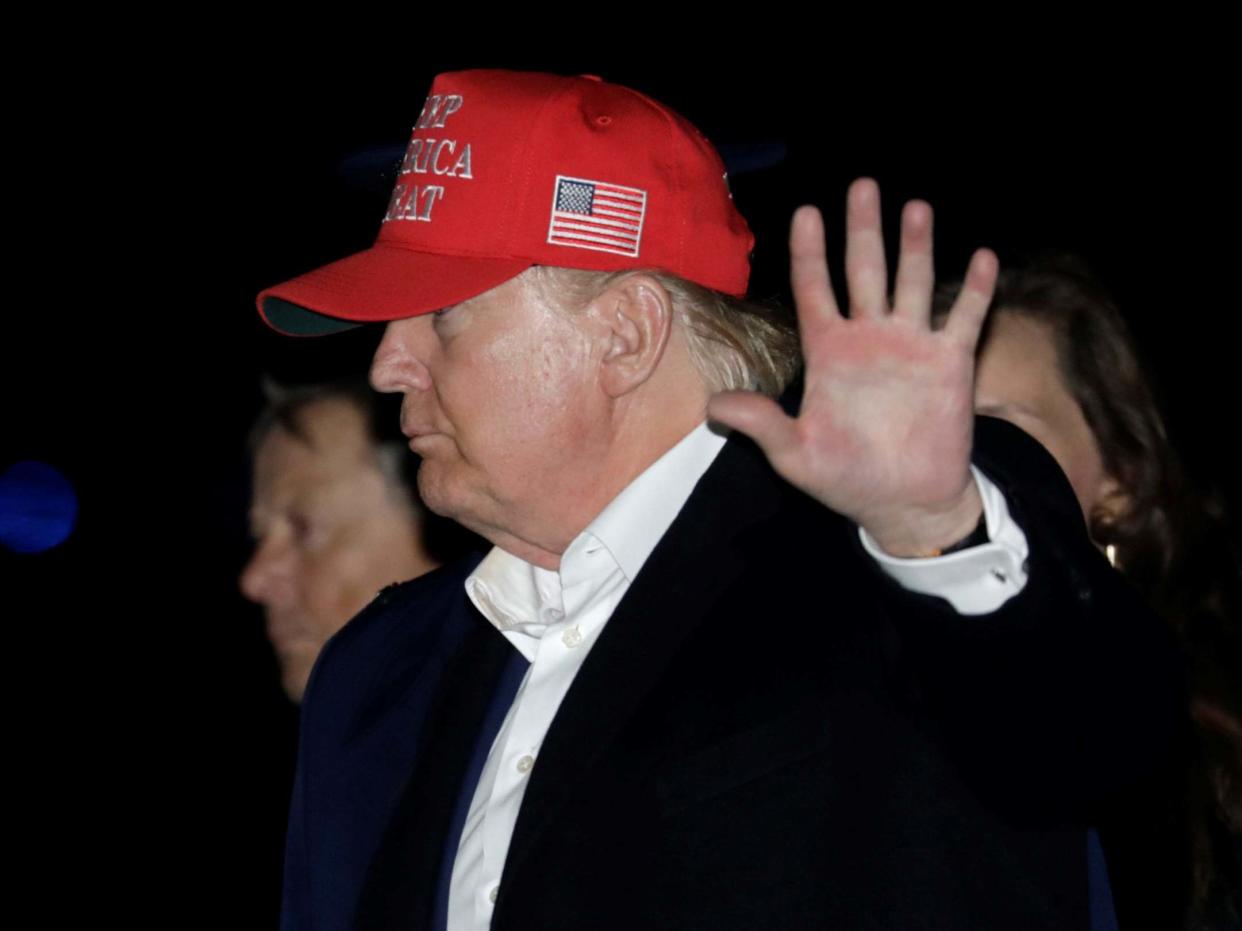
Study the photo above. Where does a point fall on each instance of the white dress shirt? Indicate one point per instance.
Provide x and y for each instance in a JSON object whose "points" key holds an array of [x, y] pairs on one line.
{"points": [[554, 618]]}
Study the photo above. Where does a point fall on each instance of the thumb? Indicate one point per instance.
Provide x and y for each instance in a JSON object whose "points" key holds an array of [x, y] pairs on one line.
{"points": [[757, 416]]}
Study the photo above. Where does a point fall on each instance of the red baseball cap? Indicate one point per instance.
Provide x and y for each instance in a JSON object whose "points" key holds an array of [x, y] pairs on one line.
{"points": [[510, 169]]}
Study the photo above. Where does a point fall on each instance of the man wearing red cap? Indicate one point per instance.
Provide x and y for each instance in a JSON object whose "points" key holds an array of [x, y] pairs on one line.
{"points": [[822, 672]]}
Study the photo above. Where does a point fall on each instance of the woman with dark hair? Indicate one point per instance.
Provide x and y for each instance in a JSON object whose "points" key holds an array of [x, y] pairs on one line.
{"points": [[1058, 360]]}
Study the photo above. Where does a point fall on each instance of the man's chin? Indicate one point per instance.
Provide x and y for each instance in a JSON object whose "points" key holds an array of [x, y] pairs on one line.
{"points": [[456, 509], [294, 674], [436, 490]]}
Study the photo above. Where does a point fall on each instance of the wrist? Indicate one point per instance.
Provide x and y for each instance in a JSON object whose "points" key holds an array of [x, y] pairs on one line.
{"points": [[976, 537], [924, 533]]}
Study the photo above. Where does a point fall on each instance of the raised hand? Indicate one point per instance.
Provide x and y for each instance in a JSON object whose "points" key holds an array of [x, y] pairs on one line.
{"points": [[884, 432]]}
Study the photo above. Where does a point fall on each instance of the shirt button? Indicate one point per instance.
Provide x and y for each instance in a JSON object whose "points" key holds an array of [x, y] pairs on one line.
{"points": [[524, 764], [1000, 576], [493, 894], [572, 637]]}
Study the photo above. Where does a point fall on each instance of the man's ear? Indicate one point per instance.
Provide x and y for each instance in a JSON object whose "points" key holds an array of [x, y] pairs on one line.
{"points": [[634, 318]]}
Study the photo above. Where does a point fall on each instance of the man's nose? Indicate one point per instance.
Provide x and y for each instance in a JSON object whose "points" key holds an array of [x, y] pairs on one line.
{"points": [[267, 577], [400, 359]]}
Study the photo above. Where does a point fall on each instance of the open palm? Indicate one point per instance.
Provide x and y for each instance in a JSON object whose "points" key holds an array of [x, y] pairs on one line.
{"points": [[884, 431]]}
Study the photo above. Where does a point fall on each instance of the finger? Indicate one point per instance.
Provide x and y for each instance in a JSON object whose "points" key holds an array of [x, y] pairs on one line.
{"points": [[865, 271], [971, 307], [912, 292], [757, 416], [808, 270], [812, 285]]}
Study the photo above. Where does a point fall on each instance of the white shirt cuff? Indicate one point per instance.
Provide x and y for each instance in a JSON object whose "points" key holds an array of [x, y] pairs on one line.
{"points": [[977, 580]]}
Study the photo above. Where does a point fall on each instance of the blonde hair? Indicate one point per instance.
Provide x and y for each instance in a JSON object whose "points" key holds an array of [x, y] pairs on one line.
{"points": [[735, 344]]}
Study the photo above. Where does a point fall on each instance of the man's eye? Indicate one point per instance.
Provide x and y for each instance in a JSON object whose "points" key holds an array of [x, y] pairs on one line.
{"points": [[303, 529]]}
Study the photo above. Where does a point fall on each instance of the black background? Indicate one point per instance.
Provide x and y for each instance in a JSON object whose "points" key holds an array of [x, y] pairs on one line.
{"points": [[152, 199]]}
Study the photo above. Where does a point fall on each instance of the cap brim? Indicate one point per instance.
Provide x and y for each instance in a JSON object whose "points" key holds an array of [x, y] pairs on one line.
{"points": [[381, 283]]}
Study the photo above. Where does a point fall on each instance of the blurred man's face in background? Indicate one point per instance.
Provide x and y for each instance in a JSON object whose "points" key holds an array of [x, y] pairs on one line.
{"points": [[331, 529]]}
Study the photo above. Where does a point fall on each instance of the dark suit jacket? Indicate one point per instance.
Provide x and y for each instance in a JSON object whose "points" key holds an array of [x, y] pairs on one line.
{"points": [[769, 733]]}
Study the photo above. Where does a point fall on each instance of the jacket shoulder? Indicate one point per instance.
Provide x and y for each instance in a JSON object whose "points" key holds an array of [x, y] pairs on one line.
{"points": [[407, 629], [404, 609]]}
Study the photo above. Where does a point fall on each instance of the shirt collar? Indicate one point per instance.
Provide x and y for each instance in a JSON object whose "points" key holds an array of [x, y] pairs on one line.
{"points": [[517, 596], [635, 520]]}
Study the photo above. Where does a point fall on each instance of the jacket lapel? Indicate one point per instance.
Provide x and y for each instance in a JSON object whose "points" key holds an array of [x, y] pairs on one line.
{"points": [[675, 591], [401, 884]]}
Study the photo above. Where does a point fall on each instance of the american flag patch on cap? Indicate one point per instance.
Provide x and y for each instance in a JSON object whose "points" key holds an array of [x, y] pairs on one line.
{"points": [[595, 215]]}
